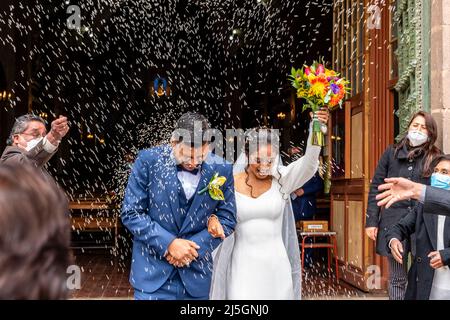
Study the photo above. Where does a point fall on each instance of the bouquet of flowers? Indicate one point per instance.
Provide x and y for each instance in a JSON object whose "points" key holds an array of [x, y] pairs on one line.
{"points": [[321, 88]]}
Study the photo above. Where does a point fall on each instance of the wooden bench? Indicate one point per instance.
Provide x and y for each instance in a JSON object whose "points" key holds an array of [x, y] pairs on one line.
{"points": [[95, 215]]}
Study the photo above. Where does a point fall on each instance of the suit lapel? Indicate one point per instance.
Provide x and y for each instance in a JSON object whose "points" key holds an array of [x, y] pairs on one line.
{"points": [[447, 232], [430, 221], [172, 188], [206, 174]]}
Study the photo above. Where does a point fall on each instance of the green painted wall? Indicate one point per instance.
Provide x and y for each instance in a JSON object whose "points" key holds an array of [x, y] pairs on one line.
{"points": [[413, 86]]}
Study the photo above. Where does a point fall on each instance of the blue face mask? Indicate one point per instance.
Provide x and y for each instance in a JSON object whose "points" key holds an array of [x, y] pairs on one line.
{"points": [[440, 181]]}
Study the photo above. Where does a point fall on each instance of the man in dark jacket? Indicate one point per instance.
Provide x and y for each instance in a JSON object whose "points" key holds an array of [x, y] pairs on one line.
{"points": [[29, 142], [304, 199], [304, 205], [421, 274], [429, 276]]}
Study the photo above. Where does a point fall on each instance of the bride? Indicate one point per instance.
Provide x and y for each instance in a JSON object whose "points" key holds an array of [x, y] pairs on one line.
{"points": [[261, 259]]}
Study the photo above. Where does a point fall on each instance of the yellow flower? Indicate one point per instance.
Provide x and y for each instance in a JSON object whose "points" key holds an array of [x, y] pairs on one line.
{"points": [[302, 93], [214, 187], [311, 77], [330, 73]]}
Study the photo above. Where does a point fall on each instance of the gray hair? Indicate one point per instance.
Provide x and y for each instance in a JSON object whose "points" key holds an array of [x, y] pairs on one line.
{"points": [[21, 124]]}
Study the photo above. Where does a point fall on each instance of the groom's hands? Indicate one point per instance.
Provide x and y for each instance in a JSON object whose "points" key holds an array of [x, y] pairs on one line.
{"points": [[181, 252]]}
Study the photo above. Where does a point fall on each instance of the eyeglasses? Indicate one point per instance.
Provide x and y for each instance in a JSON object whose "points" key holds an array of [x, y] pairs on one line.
{"points": [[258, 160], [34, 135]]}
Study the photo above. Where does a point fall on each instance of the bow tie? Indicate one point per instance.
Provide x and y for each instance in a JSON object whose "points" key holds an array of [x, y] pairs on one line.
{"points": [[181, 168]]}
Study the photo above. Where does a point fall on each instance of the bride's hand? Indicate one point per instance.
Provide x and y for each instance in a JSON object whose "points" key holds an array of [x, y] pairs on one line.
{"points": [[323, 115], [215, 229]]}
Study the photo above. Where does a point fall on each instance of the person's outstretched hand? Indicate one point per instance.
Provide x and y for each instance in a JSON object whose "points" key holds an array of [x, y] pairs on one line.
{"points": [[59, 128], [398, 189]]}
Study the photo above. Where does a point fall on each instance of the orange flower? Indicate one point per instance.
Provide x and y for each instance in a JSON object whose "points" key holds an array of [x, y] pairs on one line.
{"points": [[334, 101], [319, 87]]}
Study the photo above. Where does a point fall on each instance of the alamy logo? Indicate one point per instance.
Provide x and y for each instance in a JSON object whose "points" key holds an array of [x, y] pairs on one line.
{"points": [[74, 20], [374, 280], [73, 281], [374, 19]]}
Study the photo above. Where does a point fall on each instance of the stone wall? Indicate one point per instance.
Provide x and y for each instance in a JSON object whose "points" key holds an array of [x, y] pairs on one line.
{"points": [[440, 69]]}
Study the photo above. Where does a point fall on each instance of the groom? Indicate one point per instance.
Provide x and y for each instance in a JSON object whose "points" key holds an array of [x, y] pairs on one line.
{"points": [[168, 216]]}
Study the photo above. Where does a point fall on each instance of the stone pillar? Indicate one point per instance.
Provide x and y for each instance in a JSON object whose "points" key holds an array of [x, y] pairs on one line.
{"points": [[440, 70]]}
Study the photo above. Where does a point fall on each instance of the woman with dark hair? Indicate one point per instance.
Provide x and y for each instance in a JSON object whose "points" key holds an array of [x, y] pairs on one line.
{"points": [[429, 276], [261, 259], [411, 158], [34, 235]]}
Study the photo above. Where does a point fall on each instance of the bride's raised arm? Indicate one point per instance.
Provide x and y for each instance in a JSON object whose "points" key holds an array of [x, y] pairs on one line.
{"points": [[296, 174]]}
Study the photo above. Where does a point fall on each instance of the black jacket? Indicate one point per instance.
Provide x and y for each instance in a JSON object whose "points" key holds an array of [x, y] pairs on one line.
{"points": [[437, 201], [424, 224], [391, 165]]}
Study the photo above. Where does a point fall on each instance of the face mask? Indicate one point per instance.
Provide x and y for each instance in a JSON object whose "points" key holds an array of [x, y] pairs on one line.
{"points": [[440, 181], [32, 143], [417, 138]]}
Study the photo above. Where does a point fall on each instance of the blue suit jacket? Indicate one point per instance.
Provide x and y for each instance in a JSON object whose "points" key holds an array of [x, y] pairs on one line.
{"points": [[151, 212]]}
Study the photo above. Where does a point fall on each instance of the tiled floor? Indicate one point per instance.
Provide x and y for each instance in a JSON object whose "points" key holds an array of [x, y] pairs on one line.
{"points": [[103, 276], [317, 285], [106, 277]]}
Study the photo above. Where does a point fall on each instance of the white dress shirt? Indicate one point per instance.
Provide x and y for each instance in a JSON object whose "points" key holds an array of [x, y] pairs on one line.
{"points": [[189, 182], [48, 146], [441, 281]]}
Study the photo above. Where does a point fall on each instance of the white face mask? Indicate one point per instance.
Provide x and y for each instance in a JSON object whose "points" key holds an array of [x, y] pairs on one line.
{"points": [[32, 143], [417, 138]]}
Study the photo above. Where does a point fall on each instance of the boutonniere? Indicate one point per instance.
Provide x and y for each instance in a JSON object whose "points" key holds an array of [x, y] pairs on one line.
{"points": [[214, 187]]}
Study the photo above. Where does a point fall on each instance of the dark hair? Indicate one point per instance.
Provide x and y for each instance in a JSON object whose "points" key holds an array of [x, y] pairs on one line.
{"points": [[428, 149], [192, 128], [34, 235], [21, 124], [262, 136], [439, 158]]}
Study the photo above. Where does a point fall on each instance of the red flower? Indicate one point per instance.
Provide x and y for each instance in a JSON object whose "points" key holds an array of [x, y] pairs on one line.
{"points": [[320, 69]]}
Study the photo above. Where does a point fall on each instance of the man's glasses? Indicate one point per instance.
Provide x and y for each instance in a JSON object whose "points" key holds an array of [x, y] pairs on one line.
{"points": [[34, 135]]}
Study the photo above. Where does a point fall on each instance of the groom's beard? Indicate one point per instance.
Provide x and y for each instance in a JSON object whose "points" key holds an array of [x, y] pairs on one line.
{"points": [[190, 168]]}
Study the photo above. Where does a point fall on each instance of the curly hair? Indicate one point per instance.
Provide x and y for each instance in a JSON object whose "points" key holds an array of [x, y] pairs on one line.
{"points": [[34, 235]]}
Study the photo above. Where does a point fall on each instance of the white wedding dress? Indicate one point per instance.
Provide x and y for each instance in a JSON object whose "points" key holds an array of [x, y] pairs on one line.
{"points": [[260, 267], [261, 259]]}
